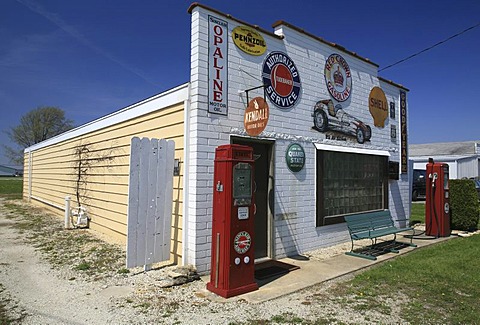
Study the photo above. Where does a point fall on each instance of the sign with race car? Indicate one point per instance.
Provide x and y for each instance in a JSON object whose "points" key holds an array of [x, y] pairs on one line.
{"points": [[338, 77], [282, 81], [378, 106], [249, 40], [330, 117]]}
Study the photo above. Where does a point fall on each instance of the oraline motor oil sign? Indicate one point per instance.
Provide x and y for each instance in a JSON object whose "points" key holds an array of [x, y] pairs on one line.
{"points": [[217, 66]]}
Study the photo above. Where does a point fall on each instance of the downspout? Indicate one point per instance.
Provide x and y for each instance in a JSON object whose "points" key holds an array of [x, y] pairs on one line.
{"points": [[30, 157], [186, 174]]}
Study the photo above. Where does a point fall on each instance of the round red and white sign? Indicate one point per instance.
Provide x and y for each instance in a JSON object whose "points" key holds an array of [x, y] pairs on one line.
{"points": [[242, 242], [338, 77], [280, 75]]}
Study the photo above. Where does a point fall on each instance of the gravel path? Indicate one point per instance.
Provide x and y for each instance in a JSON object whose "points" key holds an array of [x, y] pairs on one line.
{"points": [[37, 292]]}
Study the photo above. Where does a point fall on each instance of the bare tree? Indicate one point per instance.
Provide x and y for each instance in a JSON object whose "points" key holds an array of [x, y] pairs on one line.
{"points": [[36, 126]]}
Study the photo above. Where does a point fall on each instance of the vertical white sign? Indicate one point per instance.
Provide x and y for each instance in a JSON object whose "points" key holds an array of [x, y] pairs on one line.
{"points": [[217, 66]]}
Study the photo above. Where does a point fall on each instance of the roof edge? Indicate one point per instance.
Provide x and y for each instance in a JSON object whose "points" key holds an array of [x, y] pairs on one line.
{"points": [[197, 4], [393, 83], [167, 98], [322, 40]]}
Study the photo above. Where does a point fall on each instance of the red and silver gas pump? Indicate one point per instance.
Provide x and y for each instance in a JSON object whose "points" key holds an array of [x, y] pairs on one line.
{"points": [[437, 207], [232, 263]]}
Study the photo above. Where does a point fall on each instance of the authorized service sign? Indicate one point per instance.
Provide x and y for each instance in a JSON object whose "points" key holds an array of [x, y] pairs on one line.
{"points": [[280, 75], [249, 40]]}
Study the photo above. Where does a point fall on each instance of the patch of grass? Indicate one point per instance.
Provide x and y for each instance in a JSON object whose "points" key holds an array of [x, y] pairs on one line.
{"points": [[10, 313], [77, 249], [11, 187], [83, 266], [431, 281], [418, 213], [287, 318], [123, 271]]}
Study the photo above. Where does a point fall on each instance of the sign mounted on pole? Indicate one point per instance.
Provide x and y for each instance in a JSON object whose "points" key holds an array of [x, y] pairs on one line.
{"points": [[217, 66], [256, 116]]}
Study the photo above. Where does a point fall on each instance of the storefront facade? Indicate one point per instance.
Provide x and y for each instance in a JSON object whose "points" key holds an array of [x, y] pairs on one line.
{"points": [[328, 142], [329, 139]]}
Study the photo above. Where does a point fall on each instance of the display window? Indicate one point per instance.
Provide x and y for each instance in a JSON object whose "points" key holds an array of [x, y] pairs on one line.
{"points": [[349, 183]]}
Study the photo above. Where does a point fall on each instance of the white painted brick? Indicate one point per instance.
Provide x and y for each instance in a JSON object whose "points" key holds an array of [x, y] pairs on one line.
{"points": [[293, 192]]}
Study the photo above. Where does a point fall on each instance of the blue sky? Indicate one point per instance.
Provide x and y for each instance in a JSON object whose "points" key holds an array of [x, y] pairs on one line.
{"points": [[92, 57]]}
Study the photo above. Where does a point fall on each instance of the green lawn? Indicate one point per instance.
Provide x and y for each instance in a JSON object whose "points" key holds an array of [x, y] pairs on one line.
{"points": [[439, 284], [11, 187], [418, 213]]}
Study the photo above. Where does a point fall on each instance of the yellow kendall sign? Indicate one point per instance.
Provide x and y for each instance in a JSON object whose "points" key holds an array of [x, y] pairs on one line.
{"points": [[249, 40]]}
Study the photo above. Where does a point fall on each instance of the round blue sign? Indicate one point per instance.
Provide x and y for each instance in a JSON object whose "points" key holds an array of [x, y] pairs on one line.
{"points": [[280, 75]]}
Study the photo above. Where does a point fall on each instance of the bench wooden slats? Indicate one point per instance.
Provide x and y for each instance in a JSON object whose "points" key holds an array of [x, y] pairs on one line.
{"points": [[371, 225]]}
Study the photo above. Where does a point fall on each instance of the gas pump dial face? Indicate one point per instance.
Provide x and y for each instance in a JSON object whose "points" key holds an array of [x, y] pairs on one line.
{"points": [[242, 242]]}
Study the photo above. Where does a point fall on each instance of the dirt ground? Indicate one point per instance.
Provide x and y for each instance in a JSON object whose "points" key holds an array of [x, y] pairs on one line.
{"points": [[44, 283]]}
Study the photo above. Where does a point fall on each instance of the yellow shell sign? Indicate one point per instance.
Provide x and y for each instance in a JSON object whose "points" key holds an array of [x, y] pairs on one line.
{"points": [[249, 40], [378, 105]]}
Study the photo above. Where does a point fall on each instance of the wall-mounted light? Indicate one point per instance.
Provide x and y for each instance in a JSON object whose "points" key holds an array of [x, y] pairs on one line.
{"points": [[176, 167]]}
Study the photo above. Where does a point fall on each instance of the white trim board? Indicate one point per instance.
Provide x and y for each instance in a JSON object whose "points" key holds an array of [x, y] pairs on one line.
{"points": [[327, 147]]}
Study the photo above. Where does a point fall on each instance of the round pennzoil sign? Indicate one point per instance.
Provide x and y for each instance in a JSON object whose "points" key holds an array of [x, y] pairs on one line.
{"points": [[242, 242], [338, 77], [280, 75]]}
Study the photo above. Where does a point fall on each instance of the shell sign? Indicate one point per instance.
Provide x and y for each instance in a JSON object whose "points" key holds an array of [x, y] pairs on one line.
{"points": [[249, 40], [378, 106]]}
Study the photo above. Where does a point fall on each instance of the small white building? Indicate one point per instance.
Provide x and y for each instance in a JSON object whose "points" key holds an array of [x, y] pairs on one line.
{"points": [[463, 158]]}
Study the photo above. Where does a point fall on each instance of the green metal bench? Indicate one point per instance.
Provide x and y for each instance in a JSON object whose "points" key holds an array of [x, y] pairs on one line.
{"points": [[372, 225]]}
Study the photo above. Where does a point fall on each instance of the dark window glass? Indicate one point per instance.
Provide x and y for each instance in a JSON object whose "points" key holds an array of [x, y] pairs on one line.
{"points": [[349, 183]]}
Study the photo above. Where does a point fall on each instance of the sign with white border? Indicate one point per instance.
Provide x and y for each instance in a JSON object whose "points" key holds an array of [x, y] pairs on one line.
{"points": [[280, 75], [217, 66]]}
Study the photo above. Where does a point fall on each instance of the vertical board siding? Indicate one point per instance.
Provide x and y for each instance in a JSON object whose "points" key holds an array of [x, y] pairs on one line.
{"points": [[150, 201], [52, 172]]}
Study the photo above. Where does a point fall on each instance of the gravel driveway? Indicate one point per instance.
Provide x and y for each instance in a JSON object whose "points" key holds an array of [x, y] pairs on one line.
{"points": [[37, 288]]}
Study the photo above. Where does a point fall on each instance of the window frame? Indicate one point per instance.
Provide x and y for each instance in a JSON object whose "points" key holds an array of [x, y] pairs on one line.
{"points": [[321, 219]]}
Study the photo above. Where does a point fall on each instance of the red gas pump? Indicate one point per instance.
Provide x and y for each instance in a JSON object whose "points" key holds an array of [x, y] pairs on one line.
{"points": [[437, 207], [232, 262]]}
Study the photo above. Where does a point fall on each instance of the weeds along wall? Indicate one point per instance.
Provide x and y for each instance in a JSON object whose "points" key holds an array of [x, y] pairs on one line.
{"points": [[51, 168]]}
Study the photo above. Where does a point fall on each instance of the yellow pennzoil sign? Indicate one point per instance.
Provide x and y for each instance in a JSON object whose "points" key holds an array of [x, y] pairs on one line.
{"points": [[249, 40]]}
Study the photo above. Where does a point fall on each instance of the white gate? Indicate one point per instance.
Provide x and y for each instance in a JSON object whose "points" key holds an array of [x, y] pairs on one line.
{"points": [[150, 195]]}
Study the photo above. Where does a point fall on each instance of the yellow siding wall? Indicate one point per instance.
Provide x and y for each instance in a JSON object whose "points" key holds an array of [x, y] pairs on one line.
{"points": [[53, 172]]}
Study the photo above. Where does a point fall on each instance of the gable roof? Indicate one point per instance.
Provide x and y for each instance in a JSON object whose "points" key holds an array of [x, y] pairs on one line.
{"points": [[445, 149]]}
